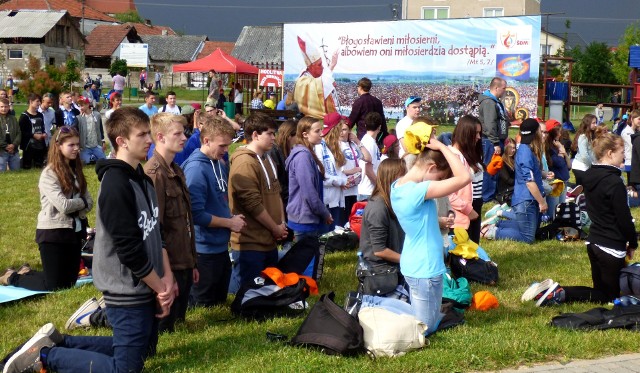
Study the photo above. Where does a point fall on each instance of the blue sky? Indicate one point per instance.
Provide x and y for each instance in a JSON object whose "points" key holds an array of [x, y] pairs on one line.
{"points": [[593, 20]]}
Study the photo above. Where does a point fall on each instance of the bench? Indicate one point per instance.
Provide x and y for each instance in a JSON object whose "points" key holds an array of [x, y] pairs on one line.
{"points": [[278, 115]]}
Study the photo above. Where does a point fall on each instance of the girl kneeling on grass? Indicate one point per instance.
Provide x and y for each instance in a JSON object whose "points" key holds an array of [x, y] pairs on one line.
{"points": [[413, 201], [64, 201], [612, 235], [528, 199]]}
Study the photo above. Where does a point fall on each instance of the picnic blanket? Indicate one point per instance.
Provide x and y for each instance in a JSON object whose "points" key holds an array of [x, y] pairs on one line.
{"points": [[12, 293]]}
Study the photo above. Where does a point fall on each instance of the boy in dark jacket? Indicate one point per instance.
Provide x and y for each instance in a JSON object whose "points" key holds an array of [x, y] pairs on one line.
{"points": [[130, 266]]}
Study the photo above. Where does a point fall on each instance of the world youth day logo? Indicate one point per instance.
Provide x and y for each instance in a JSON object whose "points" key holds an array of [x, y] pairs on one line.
{"points": [[514, 39]]}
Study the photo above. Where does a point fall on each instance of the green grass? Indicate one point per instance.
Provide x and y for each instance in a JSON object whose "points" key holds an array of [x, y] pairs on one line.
{"points": [[211, 340]]}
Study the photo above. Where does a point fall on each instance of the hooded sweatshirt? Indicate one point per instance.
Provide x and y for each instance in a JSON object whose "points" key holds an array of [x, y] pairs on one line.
{"points": [[254, 188], [493, 118], [305, 190], [207, 181], [634, 175], [128, 244], [611, 221]]}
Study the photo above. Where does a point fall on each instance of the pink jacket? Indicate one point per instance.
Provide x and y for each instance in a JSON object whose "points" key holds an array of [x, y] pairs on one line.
{"points": [[461, 201]]}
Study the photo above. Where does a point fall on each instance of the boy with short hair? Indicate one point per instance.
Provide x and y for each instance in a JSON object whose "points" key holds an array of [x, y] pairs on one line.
{"points": [[90, 130], [373, 124], [171, 106], [207, 179], [254, 191], [148, 106], [130, 266], [174, 203], [10, 142]]}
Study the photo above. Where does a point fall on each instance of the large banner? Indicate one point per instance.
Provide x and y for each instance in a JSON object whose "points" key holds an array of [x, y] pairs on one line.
{"points": [[446, 62]]}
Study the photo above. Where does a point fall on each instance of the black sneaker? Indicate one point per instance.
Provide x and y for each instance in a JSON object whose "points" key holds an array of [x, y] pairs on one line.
{"points": [[352, 303]]}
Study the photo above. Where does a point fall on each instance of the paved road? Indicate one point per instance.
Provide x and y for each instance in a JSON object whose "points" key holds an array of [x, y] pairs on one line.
{"points": [[615, 364]]}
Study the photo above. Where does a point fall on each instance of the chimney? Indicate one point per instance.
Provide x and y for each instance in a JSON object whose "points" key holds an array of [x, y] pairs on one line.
{"points": [[148, 22], [165, 32]]}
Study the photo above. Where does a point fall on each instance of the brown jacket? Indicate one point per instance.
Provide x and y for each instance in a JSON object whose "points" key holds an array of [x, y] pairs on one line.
{"points": [[175, 211], [249, 194]]}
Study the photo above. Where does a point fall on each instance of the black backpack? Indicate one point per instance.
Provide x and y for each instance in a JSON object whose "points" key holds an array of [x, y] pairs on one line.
{"points": [[331, 329], [477, 270], [630, 280], [620, 317], [567, 216], [262, 299]]}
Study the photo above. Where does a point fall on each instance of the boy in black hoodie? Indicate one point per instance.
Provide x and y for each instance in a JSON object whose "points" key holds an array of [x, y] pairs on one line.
{"points": [[131, 267]]}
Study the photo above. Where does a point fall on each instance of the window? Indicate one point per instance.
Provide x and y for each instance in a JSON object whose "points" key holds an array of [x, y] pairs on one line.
{"points": [[493, 12], [545, 49], [15, 54], [52, 61], [432, 12]]}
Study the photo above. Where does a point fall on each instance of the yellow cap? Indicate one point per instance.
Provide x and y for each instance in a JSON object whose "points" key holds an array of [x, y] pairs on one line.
{"points": [[417, 137]]}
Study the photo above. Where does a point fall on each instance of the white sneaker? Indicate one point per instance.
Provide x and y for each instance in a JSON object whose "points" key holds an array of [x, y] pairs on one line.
{"points": [[535, 289], [28, 357], [80, 319]]}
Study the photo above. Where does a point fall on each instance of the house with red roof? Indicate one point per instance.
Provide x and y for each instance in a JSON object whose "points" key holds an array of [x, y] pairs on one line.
{"points": [[103, 44]]}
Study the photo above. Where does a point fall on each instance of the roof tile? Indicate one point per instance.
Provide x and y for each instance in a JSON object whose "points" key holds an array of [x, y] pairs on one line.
{"points": [[74, 7], [105, 39]]}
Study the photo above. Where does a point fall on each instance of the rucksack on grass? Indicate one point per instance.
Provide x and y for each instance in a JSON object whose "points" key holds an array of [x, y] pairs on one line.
{"points": [[620, 317], [262, 299], [331, 329]]}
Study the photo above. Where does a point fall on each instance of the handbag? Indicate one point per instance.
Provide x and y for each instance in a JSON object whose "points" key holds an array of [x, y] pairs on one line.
{"points": [[389, 334], [379, 282]]}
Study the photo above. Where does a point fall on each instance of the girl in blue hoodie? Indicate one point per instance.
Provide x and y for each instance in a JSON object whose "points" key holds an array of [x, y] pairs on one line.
{"points": [[306, 210]]}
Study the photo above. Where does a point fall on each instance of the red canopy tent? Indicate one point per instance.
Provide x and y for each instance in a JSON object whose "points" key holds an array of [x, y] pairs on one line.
{"points": [[218, 61]]}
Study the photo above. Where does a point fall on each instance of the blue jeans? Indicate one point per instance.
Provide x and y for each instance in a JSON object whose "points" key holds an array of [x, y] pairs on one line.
{"points": [[87, 153], [523, 225], [135, 336], [489, 183], [11, 160], [247, 265]]}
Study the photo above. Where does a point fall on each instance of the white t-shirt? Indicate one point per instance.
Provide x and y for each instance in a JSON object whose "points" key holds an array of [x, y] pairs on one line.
{"points": [[350, 164], [167, 109], [401, 128], [626, 137], [237, 97], [366, 186]]}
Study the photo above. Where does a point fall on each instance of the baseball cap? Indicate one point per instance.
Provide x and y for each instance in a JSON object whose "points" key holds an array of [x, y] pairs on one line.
{"points": [[417, 136], [625, 117], [187, 109], [528, 130], [196, 106], [388, 143], [331, 120], [551, 123], [411, 100]]}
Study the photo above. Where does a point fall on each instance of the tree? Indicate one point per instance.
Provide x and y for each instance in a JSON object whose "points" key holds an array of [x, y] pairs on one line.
{"points": [[620, 60], [593, 65], [36, 80], [129, 16], [71, 73], [119, 66]]}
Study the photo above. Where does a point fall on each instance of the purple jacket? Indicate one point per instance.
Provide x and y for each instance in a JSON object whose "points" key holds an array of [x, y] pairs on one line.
{"points": [[305, 188]]}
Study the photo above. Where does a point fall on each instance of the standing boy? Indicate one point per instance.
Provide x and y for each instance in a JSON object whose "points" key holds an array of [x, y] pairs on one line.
{"points": [[174, 204], [254, 191], [373, 123], [131, 267], [207, 179], [9, 144]]}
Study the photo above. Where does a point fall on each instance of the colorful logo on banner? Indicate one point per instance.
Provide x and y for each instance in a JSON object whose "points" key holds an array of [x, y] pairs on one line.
{"points": [[270, 78], [514, 39], [513, 66]]}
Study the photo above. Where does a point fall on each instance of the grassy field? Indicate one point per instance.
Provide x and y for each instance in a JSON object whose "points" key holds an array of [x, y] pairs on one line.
{"points": [[212, 340]]}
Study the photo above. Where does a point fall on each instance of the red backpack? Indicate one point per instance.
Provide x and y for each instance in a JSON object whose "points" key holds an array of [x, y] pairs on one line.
{"points": [[355, 218]]}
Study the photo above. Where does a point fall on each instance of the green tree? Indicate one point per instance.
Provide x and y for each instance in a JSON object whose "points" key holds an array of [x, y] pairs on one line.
{"points": [[593, 65], [129, 16], [71, 72], [620, 59], [119, 66]]}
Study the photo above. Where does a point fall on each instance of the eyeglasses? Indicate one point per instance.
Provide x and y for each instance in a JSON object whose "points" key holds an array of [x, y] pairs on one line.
{"points": [[64, 129]]}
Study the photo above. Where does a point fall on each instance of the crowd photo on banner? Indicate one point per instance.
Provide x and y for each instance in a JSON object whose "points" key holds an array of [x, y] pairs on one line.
{"points": [[409, 167]]}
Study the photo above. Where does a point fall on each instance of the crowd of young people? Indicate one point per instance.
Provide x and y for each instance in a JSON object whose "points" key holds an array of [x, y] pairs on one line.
{"points": [[164, 230]]}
